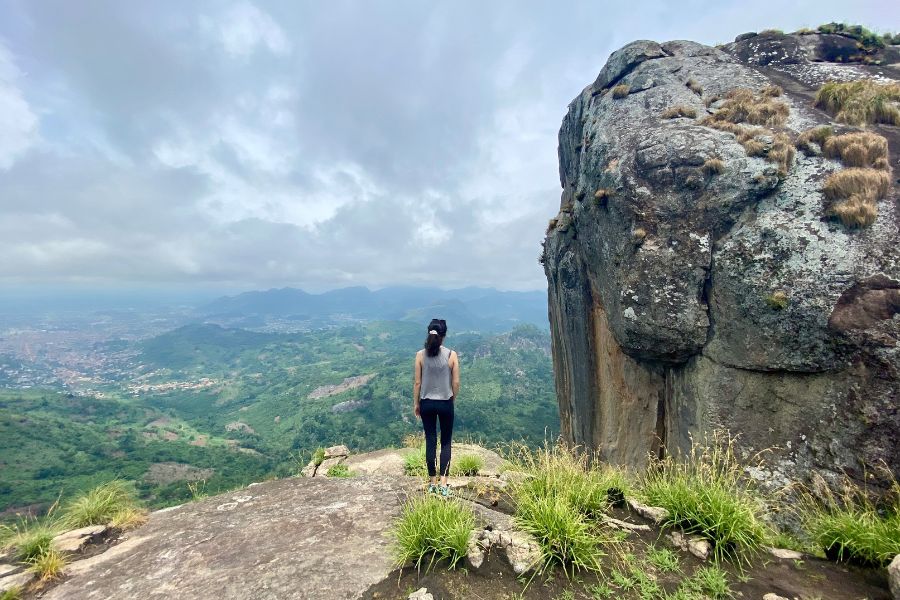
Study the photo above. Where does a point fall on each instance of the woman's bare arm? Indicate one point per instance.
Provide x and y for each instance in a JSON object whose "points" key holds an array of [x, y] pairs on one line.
{"points": [[417, 382], [454, 373]]}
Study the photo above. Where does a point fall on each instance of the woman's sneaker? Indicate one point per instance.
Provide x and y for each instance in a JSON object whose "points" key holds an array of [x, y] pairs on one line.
{"points": [[445, 491], [432, 489]]}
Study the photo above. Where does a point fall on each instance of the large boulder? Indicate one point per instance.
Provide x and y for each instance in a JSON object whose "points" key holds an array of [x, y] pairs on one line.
{"points": [[688, 295]]}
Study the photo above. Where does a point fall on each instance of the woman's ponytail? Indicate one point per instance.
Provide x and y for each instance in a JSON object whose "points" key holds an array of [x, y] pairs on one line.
{"points": [[437, 329]]}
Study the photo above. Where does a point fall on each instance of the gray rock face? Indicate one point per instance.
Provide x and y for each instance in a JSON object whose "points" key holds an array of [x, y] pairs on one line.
{"points": [[894, 577], [295, 538], [661, 273]]}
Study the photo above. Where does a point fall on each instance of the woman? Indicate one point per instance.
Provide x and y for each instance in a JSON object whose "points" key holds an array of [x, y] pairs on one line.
{"points": [[435, 388]]}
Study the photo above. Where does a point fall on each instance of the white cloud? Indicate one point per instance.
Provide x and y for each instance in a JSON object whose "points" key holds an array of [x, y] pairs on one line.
{"points": [[18, 124], [244, 27]]}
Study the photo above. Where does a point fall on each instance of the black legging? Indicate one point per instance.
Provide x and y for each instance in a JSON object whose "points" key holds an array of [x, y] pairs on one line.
{"points": [[431, 411]]}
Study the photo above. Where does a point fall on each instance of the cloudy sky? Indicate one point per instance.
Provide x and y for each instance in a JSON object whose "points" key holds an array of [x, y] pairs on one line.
{"points": [[247, 144]]}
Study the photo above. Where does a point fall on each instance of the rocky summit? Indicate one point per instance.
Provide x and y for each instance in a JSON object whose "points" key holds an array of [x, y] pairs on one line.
{"points": [[703, 272]]}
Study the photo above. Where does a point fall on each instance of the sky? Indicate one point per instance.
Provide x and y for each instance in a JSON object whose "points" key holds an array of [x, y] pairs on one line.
{"points": [[249, 144]]}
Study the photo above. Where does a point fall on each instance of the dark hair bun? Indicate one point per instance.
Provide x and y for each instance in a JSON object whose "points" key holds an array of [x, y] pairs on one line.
{"points": [[439, 325]]}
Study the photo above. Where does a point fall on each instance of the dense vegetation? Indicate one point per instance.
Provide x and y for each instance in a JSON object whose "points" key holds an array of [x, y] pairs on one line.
{"points": [[252, 415]]}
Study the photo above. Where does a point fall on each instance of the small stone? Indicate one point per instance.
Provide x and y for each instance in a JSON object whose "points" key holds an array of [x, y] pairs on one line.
{"points": [[894, 577], [475, 551], [420, 594], [19, 580], [696, 546], [309, 470], [522, 551], [75, 540], [785, 553], [625, 525], [654, 513], [772, 596], [335, 451]]}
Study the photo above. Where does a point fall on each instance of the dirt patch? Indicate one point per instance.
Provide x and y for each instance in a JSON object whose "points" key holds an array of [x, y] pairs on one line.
{"points": [[169, 472], [349, 383]]}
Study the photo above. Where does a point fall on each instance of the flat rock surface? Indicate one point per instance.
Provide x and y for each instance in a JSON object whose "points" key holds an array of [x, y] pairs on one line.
{"points": [[294, 538], [390, 461]]}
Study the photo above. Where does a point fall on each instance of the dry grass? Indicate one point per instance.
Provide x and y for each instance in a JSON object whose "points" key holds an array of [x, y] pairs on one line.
{"points": [[694, 86], [674, 112], [743, 106], [771, 91], [638, 235], [413, 440], [713, 166], [855, 193], [862, 149], [551, 225], [816, 135], [778, 300], [861, 102], [620, 91], [602, 195]]}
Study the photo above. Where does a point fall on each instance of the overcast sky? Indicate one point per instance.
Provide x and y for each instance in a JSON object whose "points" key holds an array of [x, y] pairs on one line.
{"points": [[241, 144]]}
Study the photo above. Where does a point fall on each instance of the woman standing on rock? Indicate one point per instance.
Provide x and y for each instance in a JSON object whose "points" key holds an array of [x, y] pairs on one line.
{"points": [[434, 391]]}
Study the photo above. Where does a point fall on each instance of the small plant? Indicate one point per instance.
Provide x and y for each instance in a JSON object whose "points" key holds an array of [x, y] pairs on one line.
{"points": [[862, 149], [318, 456], [861, 102], [741, 105], [432, 529], [675, 112], [713, 166], [868, 40], [663, 559], [47, 565], [694, 86], [638, 236], [468, 465], [816, 135], [13, 593], [854, 525], [778, 300], [197, 489], [414, 462], [621, 91], [854, 194], [551, 225], [771, 32], [413, 440], [771, 91], [708, 494], [602, 195], [712, 582], [339, 471], [30, 538], [100, 505]]}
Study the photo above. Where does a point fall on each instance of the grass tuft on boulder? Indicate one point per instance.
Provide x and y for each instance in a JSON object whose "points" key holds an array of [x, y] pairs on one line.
{"points": [[862, 102], [111, 502], [432, 529], [854, 194], [467, 465]]}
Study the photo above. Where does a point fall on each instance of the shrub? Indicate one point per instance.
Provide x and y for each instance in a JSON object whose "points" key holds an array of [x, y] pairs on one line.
{"points": [[862, 149], [694, 86], [861, 102], [468, 464], [778, 300], [674, 112], [100, 505], [433, 528], [706, 493], [47, 565], [339, 471], [414, 463], [854, 194], [713, 166], [620, 91], [853, 525], [817, 135], [868, 39]]}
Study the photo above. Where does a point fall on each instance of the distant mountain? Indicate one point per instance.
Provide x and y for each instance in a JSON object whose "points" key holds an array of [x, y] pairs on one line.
{"points": [[484, 309]]}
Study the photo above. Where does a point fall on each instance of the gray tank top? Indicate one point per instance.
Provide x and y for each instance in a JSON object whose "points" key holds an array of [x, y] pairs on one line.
{"points": [[436, 376]]}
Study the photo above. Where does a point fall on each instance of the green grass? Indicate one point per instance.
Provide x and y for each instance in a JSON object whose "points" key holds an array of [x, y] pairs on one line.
{"points": [[560, 501], [706, 493], [100, 505], [432, 529], [468, 464], [709, 582], [663, 559], [867, 38], [30, 538], [414, 462], [340, 471], [861, 102], [48, 564], [318, 456], [853, 525], [13, 593]]}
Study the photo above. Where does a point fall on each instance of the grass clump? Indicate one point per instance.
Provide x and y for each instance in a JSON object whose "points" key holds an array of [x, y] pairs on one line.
{"points": [[861, 149], [413, 440], [432, 528], [414, 462], [708, 582], [663, 559], [771, 91], [854, 194], [675, 112], [101, 505], [318, 456], [868, 39], [13, 593], [340, 471], [694, 86], [706, 493], [621, 91], [468, 465], [861, 102], [816, 135], [29, 538], [713, 166], [602, 195], [741, 105], [47, 565], [854, 525], [778, 300]]}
